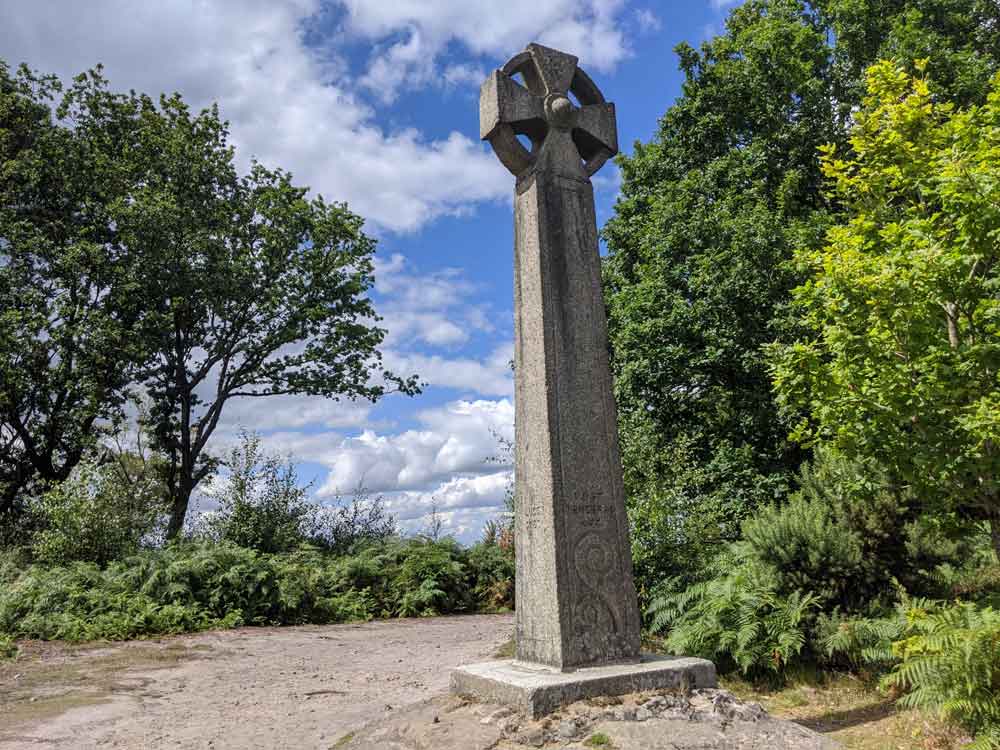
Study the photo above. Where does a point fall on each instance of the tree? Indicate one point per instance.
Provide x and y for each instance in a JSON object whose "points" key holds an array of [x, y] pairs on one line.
{"points": [[251, 288], [100, 513], [261, 505], [346, 523], [133, 252], [434, 527], [69, 308], [902, 358], [959, 38], [699, 272], [502, 528]]}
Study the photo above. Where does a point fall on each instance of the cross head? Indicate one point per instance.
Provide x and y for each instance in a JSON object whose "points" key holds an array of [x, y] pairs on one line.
{"points": [[571, 139]]}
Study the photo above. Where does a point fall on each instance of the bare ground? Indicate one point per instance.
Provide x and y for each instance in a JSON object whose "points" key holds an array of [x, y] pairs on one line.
{"points": [[292, 687]]}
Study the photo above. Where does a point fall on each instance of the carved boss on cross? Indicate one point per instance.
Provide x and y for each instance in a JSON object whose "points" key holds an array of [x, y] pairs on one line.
{"points": [[573, 141]]}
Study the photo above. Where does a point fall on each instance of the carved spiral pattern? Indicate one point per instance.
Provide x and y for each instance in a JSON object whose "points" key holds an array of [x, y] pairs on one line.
{"points": [[593, 560]]}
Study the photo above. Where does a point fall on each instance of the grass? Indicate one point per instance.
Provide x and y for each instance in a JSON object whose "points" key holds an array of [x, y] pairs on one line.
{"points": [[506, 651], [850, 711], [342, 742], [598, 739]]}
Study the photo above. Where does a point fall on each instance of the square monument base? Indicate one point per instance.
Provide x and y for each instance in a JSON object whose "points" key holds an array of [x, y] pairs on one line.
{"points": [[536, 690]]}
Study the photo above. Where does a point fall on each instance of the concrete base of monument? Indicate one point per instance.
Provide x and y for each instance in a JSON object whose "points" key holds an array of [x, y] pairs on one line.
{"points": [[535, 690]]}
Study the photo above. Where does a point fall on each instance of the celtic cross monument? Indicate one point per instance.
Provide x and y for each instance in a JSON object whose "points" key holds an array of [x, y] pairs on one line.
{"points": [[577, 619], [576, 603]]}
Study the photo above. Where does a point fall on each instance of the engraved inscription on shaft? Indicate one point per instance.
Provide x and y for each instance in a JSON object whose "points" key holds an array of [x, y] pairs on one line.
{"points": [[575, 597]]}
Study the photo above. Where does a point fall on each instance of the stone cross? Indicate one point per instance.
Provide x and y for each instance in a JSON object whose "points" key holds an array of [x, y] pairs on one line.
{"points": [[575, 597]]}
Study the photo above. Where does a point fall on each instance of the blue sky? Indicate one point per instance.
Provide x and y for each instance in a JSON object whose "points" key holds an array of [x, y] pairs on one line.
{"points": [[375, 102]]}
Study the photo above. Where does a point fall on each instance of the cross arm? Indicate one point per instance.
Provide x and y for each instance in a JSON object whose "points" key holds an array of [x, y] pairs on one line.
{"points": [[503, 101], [556, 69], [596, 134], [596, 129]]}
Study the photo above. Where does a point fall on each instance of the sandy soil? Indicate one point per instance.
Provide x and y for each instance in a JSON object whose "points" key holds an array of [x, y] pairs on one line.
{"points": [[301, 687]]}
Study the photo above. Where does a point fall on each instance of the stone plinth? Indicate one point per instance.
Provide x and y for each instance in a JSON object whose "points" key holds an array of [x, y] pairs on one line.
{"points": [[534, 690]]}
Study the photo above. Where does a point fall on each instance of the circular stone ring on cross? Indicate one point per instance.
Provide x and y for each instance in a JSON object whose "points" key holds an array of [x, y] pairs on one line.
{"points": [[542, 90]]}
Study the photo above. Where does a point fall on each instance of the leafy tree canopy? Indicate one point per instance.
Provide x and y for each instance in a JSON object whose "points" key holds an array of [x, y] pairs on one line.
{"points": [[134, 254], [70, 299], [902, 357], [699, 272]]}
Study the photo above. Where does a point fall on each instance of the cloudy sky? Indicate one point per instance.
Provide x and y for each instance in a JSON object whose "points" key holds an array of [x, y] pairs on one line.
{"points": [[374, 102]]}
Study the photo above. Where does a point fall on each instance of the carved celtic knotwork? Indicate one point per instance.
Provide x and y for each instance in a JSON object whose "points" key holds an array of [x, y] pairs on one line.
{"points": [[575, 140]]}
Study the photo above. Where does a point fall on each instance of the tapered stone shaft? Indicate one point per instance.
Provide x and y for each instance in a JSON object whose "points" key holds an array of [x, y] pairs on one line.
{"points": [[576, 603]]}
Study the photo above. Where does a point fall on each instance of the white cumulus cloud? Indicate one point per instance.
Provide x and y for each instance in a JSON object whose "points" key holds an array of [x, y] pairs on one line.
{"points": [[462, 504], [412, 35], [489, 377], [289, 104], [434, 307], [453, 440]]}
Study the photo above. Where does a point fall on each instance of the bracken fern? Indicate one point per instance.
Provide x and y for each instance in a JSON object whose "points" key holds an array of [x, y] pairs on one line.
{"points": [[738, 618], [950, 662]]}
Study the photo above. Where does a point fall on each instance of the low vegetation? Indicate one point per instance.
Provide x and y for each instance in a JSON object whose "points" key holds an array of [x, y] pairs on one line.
{"points": [[846, 708], [264, 555], [197, 586], [8, 649]]}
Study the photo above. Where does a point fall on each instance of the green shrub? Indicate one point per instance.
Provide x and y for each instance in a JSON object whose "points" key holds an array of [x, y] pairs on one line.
{"points": [[81, 602], [178, 589], [260, 504], [373, 568], [18, 524], [836, 552], [94, 516], [195, 586], [803, 548], [492, 569], [739, 619], [310, 589], [859, 513], [362, 519], [431, 579], [943, 657], [8, 649], [950, 663], [865, 642], [13, 561], [685, 506]]}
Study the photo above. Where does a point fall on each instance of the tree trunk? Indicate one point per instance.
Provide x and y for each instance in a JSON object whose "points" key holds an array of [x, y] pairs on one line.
{"points": [[178, 509], [8, 497], [995, 536], [951, 314]]}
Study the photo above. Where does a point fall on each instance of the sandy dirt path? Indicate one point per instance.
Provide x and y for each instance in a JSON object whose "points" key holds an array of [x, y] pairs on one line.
{"points": [[296, 687]]}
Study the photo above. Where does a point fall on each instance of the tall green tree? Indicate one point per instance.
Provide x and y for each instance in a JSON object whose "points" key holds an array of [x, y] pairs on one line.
{"points": [[69, 302], [699, 272], [253, 289], [901, 361], [133, 254]]}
